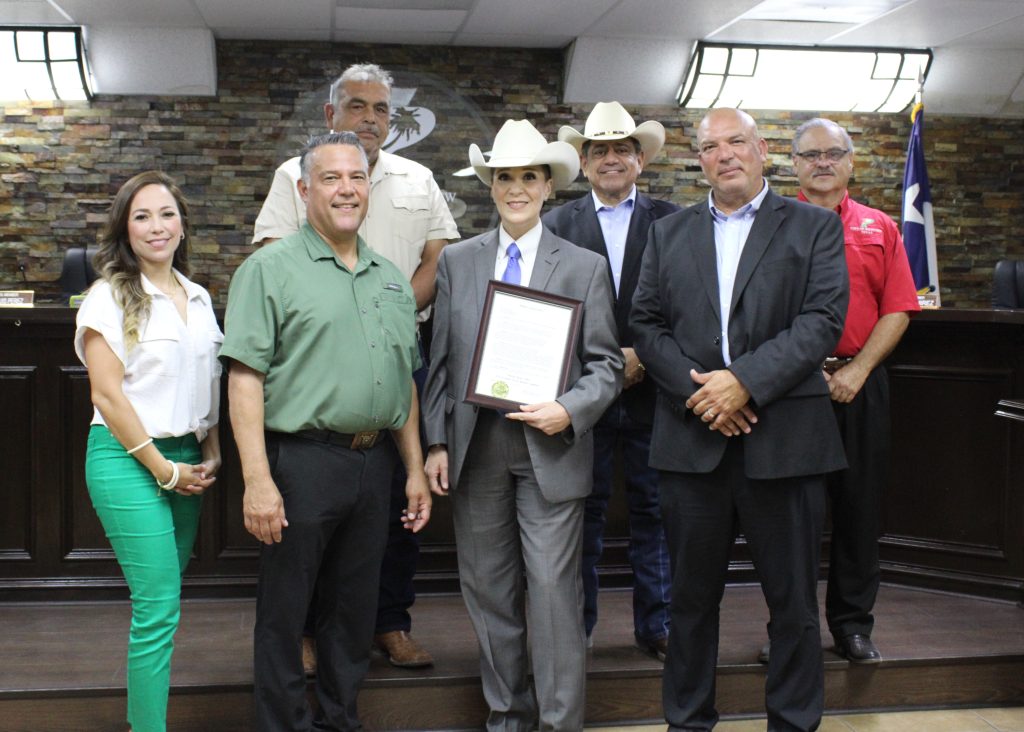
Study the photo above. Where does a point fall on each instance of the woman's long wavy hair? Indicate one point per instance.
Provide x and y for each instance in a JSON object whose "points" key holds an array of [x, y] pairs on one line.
{"points": [[116, 262]]}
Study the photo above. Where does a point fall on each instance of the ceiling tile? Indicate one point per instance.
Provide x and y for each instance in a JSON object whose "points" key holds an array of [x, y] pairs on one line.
{"points": [[931, 23], [776, 32], [1007, 34], [546, 17], [271, 16], [398, 21], [668, 19], [30, 12], [145, 13]]}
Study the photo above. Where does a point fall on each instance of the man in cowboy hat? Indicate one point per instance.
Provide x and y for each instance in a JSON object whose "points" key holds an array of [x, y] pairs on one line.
{"points": [[517, 493], [612, 220]]}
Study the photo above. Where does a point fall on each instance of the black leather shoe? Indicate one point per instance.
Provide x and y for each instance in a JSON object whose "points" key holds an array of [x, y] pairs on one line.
{"points": [[858, 648], [656, 647]]}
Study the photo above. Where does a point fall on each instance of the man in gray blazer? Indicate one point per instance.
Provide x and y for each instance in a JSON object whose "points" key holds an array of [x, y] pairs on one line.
{"points": [[518, 479], [741, 298]]}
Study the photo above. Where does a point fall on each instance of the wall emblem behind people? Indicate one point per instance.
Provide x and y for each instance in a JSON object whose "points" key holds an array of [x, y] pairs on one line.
{"points": [[409, 124]]}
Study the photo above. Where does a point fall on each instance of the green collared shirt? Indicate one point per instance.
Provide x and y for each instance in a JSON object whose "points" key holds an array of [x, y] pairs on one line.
{"points": [[338, 347]]}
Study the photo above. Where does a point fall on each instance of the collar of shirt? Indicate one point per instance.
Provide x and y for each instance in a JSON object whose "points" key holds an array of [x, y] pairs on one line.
{"points": [[318, 249], [528, 244], [192, 290], [749, 209], [601, 207], [840, 209]]}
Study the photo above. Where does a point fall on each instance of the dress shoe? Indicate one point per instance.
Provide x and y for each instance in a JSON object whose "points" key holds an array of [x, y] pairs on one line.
{"points": [[309, 655], [656, 647], [765, 653], [402, 650], [858, 648]]}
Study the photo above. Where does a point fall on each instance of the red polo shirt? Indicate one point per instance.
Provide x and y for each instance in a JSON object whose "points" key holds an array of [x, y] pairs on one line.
{"points": [[880, 279]]}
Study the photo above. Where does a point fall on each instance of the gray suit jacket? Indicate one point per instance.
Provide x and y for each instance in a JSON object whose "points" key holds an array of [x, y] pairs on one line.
{"points": [[787, 311], [562, 463]]}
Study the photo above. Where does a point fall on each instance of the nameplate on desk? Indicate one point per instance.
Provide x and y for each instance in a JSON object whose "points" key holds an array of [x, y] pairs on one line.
{"points": [[17, 298]]}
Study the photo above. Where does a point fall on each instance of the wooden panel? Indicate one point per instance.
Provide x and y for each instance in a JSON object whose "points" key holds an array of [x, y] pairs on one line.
{"points": [[17, 384], [82, 535], [953, 516], [945, 417]]}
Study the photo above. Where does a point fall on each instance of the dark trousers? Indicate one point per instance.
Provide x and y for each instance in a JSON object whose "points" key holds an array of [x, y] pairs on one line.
{"points": [[853, 573], [648, 553], [401, 553], [336, 506], [782, 522]]}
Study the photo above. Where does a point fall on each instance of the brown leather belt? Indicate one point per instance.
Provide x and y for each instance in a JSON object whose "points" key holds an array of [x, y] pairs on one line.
{"points": [[832, 365], [358, 441]]}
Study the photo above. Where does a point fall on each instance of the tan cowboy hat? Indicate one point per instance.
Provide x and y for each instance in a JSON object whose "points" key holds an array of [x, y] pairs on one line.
{"points": [[519, 144], [610, 121]]}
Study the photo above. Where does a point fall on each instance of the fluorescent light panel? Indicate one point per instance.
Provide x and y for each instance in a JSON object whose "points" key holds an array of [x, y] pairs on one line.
{"points": [[817, 78], [42, 63]]}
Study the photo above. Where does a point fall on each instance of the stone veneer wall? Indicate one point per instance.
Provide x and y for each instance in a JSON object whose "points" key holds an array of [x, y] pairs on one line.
{"points": [[60, 163]]}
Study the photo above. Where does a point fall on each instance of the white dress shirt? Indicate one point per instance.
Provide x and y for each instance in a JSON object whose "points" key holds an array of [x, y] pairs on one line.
{"points": [[614, 221], [171, 375], [731, 231]]}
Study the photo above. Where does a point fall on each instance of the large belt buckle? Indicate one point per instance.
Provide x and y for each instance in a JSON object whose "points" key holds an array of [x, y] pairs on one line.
{"points": [[365, 440]]}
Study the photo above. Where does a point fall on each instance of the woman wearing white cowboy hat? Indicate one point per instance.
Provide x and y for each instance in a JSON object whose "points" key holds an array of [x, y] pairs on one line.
{"points": [[518, 479]]}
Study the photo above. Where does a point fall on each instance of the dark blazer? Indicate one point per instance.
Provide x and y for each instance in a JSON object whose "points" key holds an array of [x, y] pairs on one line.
{"points": [[577, 222], [562, 463], [788, 307]]}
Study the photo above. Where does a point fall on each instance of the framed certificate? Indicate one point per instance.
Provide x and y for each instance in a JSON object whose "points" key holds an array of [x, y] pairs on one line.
{"points": [[524, 347]]}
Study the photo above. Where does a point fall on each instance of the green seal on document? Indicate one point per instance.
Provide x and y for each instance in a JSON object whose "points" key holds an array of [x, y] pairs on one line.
{"points": [[499, 389]]}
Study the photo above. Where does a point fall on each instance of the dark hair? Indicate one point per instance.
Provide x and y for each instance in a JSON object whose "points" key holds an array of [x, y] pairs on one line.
{"points": [[116, 262], [329, 138]]}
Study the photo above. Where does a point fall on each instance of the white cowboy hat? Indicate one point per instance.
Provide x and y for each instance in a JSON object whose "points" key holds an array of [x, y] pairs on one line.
{"points": [[468, 171], [610, 121], [518, 144]]}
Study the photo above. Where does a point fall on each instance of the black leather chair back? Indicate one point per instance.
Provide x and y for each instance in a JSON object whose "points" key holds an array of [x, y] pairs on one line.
{"points": [[77, 273], [1008, 284]]}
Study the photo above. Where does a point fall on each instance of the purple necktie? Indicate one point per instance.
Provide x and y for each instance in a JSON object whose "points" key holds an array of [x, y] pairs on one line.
{"points": [[512, 273]]}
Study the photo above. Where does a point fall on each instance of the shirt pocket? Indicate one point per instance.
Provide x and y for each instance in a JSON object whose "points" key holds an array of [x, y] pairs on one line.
{"points": [[415, 204], [866, 265], [159, 350], [398, 322]]}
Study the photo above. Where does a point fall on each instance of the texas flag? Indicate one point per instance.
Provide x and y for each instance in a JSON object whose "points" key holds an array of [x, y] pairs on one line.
{"points": [[918, 225]]}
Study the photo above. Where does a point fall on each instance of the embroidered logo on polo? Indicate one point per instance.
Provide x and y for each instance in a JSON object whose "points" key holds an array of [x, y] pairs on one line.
{"points": [[865, 227]]}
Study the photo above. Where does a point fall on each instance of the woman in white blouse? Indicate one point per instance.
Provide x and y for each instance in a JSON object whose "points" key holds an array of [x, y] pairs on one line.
{"points": [[149, 339]]}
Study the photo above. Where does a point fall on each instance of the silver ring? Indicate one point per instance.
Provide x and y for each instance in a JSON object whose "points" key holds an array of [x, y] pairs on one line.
{"points": [[711, 415]]}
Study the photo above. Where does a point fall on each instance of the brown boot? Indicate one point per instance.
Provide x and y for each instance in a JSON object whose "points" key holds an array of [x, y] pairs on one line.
{"points": [[309, 655], [402, 650]]}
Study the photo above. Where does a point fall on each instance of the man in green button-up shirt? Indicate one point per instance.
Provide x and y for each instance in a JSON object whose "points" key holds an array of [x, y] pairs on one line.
{"points": [[321, 345]]}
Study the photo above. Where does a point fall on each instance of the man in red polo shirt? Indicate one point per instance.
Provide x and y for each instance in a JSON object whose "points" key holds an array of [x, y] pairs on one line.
{"points": [[882, 296]]}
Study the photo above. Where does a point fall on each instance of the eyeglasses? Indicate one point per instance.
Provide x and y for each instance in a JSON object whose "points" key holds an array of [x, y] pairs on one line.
{"points": [[833, 155]]}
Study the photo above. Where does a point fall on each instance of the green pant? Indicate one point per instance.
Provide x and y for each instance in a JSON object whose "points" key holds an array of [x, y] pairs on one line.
{"points": [[152, 533]]}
